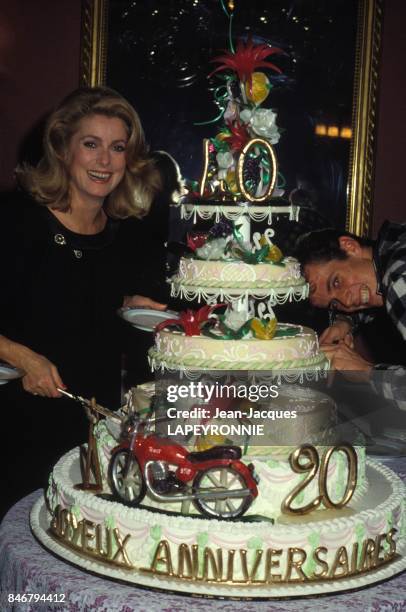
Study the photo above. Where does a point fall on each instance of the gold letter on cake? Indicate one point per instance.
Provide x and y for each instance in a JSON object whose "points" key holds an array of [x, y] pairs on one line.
{"points": [[340, 562], [162, 556], [185, 558], [296, 564], [321, 562], [216, 566], [270, 563]]}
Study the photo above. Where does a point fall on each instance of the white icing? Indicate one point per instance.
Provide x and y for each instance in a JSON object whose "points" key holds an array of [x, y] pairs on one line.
{"points": [[237, 274], [175, 349], [382, 509]]}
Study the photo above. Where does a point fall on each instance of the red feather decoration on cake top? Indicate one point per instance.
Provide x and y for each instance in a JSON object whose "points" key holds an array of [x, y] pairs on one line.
{"points": [[246, 59], [190, 321]]}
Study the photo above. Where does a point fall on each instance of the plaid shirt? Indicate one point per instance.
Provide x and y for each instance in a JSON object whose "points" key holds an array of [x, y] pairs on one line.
{"points": [[389, 258]]}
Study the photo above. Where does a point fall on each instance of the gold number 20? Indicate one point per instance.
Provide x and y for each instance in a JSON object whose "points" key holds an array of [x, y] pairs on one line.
{"points": [[305, 460]]}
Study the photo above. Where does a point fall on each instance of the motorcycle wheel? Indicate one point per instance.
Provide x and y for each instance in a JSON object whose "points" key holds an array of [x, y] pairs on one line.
{"points": [[221, 479], [127, 484]]}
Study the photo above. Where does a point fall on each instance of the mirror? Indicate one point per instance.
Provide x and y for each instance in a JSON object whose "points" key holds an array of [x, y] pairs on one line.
{"points": [[159, 56]]}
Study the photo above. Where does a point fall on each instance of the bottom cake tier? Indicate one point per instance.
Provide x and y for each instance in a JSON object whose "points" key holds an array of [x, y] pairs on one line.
{"points": [[326, 551]]}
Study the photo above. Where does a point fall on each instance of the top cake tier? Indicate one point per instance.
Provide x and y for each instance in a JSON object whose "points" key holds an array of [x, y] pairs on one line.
{"points": [[229, 262]]}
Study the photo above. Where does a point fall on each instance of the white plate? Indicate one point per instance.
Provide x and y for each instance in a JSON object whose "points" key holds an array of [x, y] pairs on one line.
{"points": [[146, 319], [8, 372]]}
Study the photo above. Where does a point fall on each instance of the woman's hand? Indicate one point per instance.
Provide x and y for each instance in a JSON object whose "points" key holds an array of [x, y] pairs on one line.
{"points": [[340, 331], [41, 376], [140, 301]]}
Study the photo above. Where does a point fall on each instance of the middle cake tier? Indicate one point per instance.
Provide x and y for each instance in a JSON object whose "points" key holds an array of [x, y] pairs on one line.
{"points": [[293, 347]]}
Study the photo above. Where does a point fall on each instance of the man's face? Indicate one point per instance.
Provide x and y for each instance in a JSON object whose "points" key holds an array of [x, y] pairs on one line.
{"points": [[347, 285]]}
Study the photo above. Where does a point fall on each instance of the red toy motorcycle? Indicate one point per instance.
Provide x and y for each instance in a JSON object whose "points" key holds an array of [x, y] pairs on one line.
{"points": [[215, 480]]}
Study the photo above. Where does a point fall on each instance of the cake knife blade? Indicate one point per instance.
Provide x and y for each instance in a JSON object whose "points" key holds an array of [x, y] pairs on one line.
{"points": [[88, 404]]}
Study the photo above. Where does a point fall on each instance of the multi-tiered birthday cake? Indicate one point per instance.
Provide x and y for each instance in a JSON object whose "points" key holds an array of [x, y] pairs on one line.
{"points": [[209, 514]]}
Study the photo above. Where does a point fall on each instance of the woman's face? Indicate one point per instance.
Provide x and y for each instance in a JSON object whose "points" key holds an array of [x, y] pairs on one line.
{"points": [[97, 157]]}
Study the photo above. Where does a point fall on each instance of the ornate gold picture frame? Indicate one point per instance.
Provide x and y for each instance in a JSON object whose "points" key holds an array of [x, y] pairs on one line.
{"points": [[361, 164]]}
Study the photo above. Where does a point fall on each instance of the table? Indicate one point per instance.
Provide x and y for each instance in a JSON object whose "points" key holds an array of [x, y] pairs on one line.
{"points": [[26, 567]]}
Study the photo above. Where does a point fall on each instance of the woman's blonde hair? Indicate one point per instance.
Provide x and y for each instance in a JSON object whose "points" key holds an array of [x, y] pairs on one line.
{"points": [[49, 181]]}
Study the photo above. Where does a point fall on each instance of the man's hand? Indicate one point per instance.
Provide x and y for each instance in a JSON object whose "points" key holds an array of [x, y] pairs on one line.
{"points": [[140, 301], [42, 377], [340, 331], [347, 361]]}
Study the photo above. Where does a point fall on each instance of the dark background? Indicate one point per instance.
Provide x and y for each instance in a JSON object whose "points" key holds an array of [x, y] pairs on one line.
{"points": [[160, 53]]}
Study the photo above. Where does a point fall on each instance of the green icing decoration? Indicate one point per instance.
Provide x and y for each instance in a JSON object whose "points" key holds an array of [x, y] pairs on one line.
{"points": [[283, 332], [300, 496], [310, 565], [227, 332], [156, 532], [389, 519], [359, 532], [272, 463], [75, 511], [202, 539], [254, 542], [110, 522]]}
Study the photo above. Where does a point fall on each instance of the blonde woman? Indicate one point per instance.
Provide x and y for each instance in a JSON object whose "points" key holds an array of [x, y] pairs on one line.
{"points": [[75, 255]]}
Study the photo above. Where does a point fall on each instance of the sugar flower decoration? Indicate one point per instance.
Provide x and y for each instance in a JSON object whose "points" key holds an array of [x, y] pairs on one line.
{"points": [[238, 136], [264, 329], [213, 249], [262, 122], [225, 159], [190, 321], [234, 319]]}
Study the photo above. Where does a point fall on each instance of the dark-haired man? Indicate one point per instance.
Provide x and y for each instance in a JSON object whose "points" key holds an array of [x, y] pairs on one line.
{"points": [[354, 276]]}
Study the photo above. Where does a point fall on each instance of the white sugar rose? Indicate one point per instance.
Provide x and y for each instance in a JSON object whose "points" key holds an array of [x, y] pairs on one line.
{"points": [[213, 249], [234, 319], [263, 124], [246, 115], [225, 159]]}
